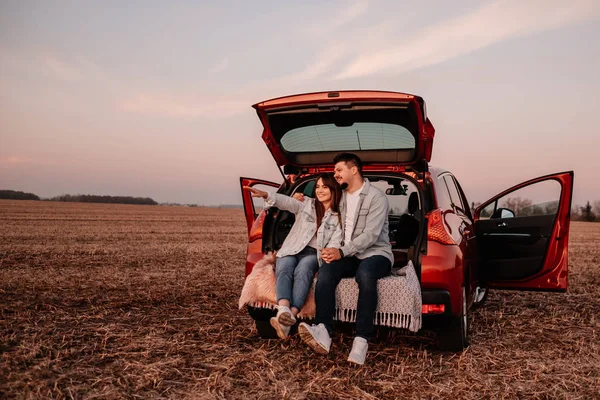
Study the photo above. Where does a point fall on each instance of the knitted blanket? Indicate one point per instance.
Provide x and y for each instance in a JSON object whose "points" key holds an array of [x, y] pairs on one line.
{"points": [[399, 300], [398, 306]]}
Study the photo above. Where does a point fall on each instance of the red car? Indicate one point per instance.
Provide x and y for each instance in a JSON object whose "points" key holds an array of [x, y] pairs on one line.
{"points": [[516, 240]]}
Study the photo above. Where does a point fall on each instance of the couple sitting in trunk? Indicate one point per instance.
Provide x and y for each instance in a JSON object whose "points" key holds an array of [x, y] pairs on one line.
{"points": [[344, 233]]}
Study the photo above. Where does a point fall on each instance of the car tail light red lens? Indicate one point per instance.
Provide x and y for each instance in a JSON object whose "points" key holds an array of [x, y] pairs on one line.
{"points": [[433, 309], [436, 230], [257, 228]]}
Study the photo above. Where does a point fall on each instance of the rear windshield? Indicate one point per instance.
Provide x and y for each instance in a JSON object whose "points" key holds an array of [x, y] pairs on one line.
{"points": [[383, 131], [356, 137]]}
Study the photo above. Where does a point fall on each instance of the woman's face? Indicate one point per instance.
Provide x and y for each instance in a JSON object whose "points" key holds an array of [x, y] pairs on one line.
{"points": [[322, 192]]}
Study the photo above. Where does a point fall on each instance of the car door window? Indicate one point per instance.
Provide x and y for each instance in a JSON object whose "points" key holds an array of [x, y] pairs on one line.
{"points": [[540, 198]]}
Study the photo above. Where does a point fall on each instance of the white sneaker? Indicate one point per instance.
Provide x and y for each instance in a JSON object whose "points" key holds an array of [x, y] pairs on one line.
{"points": [[282, 330], [285, 316], [358, 354], [316, 336]]}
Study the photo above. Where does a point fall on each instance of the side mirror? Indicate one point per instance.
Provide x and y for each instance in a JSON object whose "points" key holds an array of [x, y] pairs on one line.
{"points": [[503, 213]]}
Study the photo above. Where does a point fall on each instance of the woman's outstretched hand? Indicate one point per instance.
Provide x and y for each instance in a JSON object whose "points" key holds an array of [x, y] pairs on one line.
{"points": [[256, 192]]}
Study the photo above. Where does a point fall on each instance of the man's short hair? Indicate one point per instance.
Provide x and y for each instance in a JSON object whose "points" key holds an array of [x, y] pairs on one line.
{"points": [[353, 159]]}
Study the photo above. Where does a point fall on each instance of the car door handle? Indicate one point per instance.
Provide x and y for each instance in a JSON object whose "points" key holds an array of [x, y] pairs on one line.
{"points": [[501, 225]]}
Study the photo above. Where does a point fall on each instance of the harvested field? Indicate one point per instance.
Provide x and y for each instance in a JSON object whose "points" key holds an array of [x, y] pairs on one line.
{"points": [[117, 301]]}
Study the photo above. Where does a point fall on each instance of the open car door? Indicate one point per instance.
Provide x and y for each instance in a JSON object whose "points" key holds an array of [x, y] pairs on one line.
{"points": [[523, 235], [253, 206]]}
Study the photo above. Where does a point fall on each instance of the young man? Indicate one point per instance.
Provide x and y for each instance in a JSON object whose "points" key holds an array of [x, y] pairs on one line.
{"points": [[366, 254]]}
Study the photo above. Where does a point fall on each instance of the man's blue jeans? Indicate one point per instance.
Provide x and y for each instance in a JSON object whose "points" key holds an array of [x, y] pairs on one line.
{"points": [[294, 276], [366, 273]]}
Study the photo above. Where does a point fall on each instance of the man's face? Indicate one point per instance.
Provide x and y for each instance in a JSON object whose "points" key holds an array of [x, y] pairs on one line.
{"points": [[343, 172]]}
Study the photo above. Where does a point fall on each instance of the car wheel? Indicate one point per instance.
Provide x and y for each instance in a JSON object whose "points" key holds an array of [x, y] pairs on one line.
{"points": [[481, 295], [455, 336]]}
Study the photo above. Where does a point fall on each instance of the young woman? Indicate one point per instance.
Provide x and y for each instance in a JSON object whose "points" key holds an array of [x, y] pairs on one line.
{"points": [[317, 226]]}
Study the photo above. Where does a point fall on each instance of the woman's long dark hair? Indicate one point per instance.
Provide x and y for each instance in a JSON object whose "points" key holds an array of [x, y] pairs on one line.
{"points": [[336, 196]]}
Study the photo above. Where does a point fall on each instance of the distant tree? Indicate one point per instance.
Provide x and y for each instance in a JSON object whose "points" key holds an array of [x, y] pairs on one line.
{"points": [[597, 207], [587, 214], [576, 213], [17, 195]]}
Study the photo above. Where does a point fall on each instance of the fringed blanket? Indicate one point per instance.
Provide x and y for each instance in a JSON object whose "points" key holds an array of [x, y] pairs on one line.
{"points": [[399, 296], [399, 300]]}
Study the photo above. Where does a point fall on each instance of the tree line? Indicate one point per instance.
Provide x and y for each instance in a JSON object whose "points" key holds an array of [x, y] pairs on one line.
{"points": [[16, 195], [92, 198], [79, 198]]}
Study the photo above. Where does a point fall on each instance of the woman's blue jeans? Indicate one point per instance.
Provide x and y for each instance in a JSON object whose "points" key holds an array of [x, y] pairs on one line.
{"points": [[294, 276]]}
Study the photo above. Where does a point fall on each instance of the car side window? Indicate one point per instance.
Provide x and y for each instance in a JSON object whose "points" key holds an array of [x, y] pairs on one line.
{"points": [[442, 195], [454, 195], [464, 199]]}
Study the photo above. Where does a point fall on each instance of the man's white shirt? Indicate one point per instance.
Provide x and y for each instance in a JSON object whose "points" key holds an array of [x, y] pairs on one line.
{"points": [[351, 205]]}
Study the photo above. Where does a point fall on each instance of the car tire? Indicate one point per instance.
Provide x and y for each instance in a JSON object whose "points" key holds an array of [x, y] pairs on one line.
{"points": [[455, 336]]}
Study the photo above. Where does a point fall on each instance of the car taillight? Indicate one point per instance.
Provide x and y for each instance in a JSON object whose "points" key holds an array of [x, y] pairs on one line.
{"points": [[257, 228], [436, 230], [433, 309]]}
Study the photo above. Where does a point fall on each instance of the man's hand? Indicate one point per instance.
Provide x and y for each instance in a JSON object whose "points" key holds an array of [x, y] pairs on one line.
{"points": [[298, 196], [330, 254], [256, 192]]}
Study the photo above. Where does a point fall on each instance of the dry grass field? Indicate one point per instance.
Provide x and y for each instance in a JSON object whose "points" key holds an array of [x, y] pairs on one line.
{"points": [[116, 301]]}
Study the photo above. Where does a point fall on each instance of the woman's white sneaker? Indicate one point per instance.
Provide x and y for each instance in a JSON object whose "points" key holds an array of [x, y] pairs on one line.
{"points": [[282, 330], [285, 316]]}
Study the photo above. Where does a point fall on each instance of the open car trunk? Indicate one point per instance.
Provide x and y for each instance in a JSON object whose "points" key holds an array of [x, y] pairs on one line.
{"points": [[382, 128]]}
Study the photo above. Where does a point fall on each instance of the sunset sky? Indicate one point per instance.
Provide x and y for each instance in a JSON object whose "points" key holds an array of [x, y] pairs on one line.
{"points": [[153, 98]]}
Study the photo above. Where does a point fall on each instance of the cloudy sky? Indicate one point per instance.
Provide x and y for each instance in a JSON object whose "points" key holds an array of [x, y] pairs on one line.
{"points": [[152, 98]]}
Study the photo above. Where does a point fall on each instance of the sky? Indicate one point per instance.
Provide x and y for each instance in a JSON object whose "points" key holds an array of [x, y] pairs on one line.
{"points": [[153, 98]]}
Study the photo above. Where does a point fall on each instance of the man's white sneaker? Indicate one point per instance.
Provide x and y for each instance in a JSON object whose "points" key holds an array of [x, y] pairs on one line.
{"points": [[316, 336], [282, 330], [285, 316], [358, 354]]}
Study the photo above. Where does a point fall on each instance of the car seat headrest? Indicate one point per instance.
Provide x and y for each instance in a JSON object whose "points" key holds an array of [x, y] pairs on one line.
{"points": [[413, 202]]}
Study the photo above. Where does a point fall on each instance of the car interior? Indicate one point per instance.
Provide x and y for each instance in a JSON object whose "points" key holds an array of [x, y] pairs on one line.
{"points": [[405, 216]]}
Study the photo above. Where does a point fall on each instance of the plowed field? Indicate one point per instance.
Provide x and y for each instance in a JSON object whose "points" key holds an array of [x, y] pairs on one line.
{"points": [[118, 301]]}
